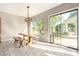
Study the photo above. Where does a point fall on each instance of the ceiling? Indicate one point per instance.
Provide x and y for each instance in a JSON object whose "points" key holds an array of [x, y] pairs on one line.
{"points": [[21, 10]]}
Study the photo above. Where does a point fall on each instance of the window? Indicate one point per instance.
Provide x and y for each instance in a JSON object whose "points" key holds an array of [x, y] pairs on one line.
{"points": [[37, 27]]}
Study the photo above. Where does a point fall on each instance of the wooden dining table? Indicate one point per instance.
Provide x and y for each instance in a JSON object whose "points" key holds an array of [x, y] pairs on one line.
{"points": [[25, 36]]}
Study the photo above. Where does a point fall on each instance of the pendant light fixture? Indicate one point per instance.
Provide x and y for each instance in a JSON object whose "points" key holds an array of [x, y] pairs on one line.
{"points": [[28, 20]]}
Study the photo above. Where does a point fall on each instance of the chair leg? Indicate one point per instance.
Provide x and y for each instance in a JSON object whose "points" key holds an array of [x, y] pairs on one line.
{"points": [[20, 44]]}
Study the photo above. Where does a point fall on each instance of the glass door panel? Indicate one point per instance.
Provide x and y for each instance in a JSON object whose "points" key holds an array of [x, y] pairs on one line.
{"points": [[69, 29], [56, 29]]}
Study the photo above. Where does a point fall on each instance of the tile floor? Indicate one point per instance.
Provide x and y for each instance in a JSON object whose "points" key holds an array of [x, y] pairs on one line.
{"points": [[7, 48]]}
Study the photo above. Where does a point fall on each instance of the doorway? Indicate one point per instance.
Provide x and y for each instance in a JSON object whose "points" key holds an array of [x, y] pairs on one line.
{"points": [[64, 28]]}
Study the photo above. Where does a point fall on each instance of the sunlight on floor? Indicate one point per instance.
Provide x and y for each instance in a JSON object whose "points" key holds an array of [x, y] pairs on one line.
{"points": [[55, 48]]}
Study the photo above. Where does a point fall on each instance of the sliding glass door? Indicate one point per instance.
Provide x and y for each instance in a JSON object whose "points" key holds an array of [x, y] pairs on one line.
{"points": [[69, 29], [55, 28], [64, 28]]}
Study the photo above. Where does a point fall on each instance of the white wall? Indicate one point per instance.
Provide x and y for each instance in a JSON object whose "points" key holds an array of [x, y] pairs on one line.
{"points": [[11, 25]]}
